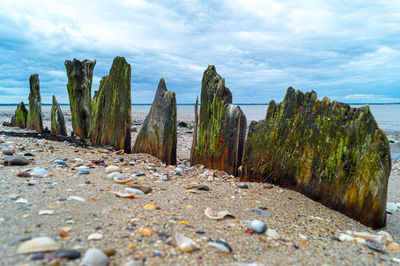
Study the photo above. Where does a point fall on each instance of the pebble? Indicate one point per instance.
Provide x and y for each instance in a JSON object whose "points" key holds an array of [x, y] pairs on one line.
{"points": [[28, 154], [140, 173], [257, 226], [242, 185], [60, 162], [95, 257], [165, 177], [22, 201], [68, 254], [16, 160], [83, 172], [46, 212], [76, 198], [32, 182], [95, 236], [178, 171], [8, 152], [203, 187], [391, 207]]}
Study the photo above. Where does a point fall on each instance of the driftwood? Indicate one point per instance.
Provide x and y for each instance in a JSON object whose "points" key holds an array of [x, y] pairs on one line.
{"points": [[72, 140], [196, 122]]}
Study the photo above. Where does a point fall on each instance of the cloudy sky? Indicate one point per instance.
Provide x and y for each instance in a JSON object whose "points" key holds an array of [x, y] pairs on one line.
{"points": [[346, 50]]}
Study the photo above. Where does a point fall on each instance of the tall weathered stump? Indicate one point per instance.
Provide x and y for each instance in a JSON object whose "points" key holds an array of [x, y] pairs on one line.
{"points": [[111, 108], [80, 77], [326, 150], [158, 133], [34, 120], [222, 126], [57, 119]]}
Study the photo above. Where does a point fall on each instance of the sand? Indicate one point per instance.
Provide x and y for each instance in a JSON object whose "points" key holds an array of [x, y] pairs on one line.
{"points": [[307, 230]]}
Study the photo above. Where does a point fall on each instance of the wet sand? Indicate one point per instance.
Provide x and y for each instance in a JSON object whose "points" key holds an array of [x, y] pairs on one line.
{"points": [[307, 230]]}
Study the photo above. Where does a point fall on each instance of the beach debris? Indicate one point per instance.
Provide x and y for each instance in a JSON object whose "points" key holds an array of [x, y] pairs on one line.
{"points": [[256, 226], [46, 212], [80, 76], [222, 126], [260, 213], [16, 160], [217, 215], [22, 201], [165, 177], [95, 236], [95, 257], [185, 244], [146, 231], [34, 118], [121, 178], [273, 234], [145, 189], [242, 185], [134, 191], [391, 207], [57, 119], [78, 198], [111, 108], [39, 244], [112, 169], [375, 244], [221, 245], [124, 194], [19, 119], [158, 133], [83, 172], [282, 132]]}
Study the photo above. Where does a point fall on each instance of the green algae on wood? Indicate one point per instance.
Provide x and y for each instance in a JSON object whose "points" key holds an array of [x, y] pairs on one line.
{"points": [[80, 76], [326, 150], [222, 126], [57, 119], [20, 117], [110, 109], [158, 133], [34, 120]]}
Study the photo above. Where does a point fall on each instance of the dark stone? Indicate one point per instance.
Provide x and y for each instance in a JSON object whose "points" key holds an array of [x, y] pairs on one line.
{"points": [[111, 108], [16, 160], [158, 133], [46, 130], [203, 187], [57, 119], [222, 126], [34, 120], [8, 153], [242, 185], [326, 150], [80, 76], [182, 124], [68, 254]]}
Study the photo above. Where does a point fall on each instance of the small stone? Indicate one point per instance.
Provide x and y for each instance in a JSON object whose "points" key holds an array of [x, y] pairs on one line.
{"points": [[32, 182], [242, 186], [203, 187], [95, 257], [140, 173], [28, 154], [165, 177], [68, 254], [22, 201], [257, 226], [391, 207], [16, 160], [95, 236], [83, 172], [76, 198], [60, 162], [8, 153], [112, 169]]}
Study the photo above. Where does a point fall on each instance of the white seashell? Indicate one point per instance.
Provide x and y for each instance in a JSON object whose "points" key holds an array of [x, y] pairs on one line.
{"points": [[22, 201], [113, 168], [95, 236], [212, 214], [273, 234], [257, 226], [122, 178], [185, 244], [365, 235], [114, 175], [222, 245], [95, 257], [76, 198], [46, 212], [39, 244], [134, 191], [345, 237], [386, 237]]}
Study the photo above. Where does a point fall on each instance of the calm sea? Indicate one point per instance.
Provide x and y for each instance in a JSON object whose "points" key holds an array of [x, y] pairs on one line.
{"points": [[387, 115]]}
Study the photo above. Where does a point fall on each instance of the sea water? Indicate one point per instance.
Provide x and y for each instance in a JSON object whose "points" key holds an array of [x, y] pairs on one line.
{"points": [[387, 115]]}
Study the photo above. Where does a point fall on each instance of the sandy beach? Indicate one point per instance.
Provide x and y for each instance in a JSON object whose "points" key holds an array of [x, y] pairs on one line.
{"points": [[142, 229]]}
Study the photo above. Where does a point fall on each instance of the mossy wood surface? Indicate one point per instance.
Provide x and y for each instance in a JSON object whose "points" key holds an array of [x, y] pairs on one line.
{"points": [[80, 76], [34, 120], [222, 126], [329, 151], [111, 108], [57, 119], [158, 133]]}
